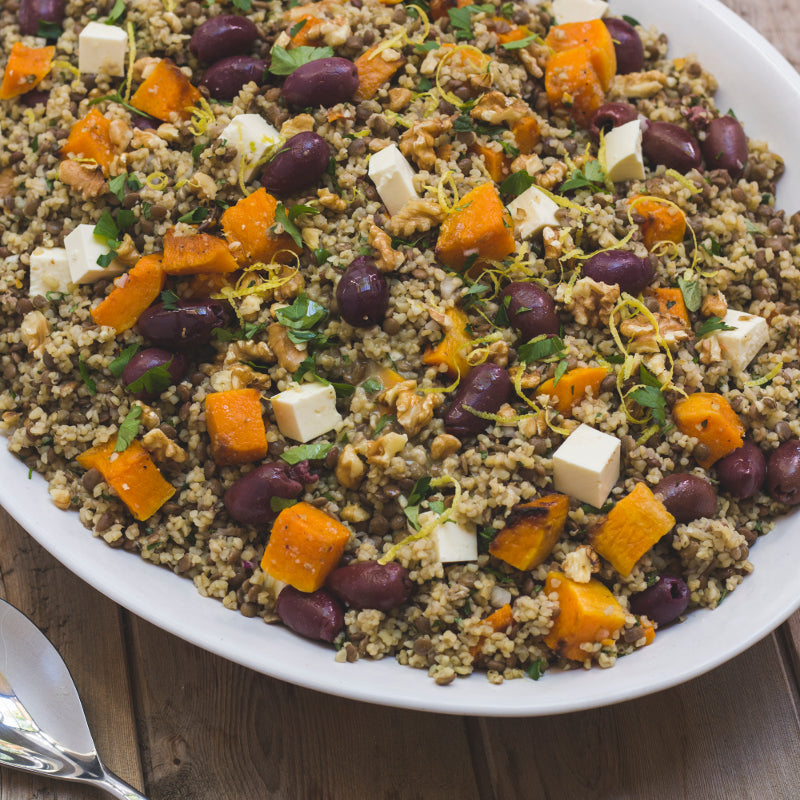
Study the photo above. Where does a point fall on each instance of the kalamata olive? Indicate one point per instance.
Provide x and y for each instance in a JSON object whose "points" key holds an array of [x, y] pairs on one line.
{"points": [[484, 389], [32, 12], [37, 97], [188, 324], [610, 116], [662, 602], [144, 123], [154, 383], [530, 310], [368, 584], [299, 164], [324, 82], [223, 36], [742, 472], [249, 500], [318, 615], [687, 497], [224, 79], [725, 146], [621, 267], [669, 144], [362, 294], [783, 473], [627, 45]]}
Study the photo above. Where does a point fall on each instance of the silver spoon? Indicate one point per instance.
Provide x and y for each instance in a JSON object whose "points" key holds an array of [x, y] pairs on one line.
{"points": [[42, 725]]}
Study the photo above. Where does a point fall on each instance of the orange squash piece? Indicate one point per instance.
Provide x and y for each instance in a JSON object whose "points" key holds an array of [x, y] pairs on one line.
{"points": [[631, 528], [661, 222], [595, 37], [572, 387], [439, 8], [514, 32], [89, 138], [452, 349], [670, 303], [305, 546], [373, 72], [571, 82], [198, 252], [166, 93], [309, 34], [236, 426], [479, 226], [133, 292], [708, 417], [497, 163], [246, 226], [26, 68], [501, 619], [531, 531], [132, 475], [527, 134], [589, 613]]}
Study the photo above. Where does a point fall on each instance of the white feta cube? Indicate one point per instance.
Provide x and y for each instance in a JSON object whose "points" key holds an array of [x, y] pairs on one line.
{"points": [[454, 543], [252, 136], [306, 410], [578, 10], [623, 153], [741, 345], [532, 211], [586, 466], [393, 177], [49, 271], [83, 249], [101, 49]]}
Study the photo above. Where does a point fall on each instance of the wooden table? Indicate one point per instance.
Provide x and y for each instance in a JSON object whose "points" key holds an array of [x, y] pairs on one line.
{"points": [[180, 723]]}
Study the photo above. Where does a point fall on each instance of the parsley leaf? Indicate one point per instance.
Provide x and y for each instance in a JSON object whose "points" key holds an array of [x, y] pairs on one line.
{"points": [[277, 504], [631, 20], [195, 216], [517, 183], [385, 420], [300, 318], [106, 227], [461, 18], [128, 429], [116, 185], [117, 366], [48, 30], [544, 348], [561, 369], [592, 177], [650, 397], [285, 62], [692, 293], [418, 494], [536, 669], [116, 12], [287, 220], [712, 325], [518, 44], [372, 385], [169, 300], [86, 378], [306, 452], [154, 381], [243, 5]]}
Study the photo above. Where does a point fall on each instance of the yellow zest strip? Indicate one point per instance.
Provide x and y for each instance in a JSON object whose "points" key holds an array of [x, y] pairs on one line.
{"points": [[202, 117], [460, 48], [449, 180], [131, 60], [446, 389], [496, 418], [65, 65], [683, 181], [765, 378], [563, 201], [156, 180], [646, 434], [246, 285], [401, 39], [536, 409]]}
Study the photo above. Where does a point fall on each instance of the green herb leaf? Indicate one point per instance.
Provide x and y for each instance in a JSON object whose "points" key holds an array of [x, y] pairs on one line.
{"points": [[412, 513], [154, 381], [117, 366], [752, 228], [106, 227], [385, 420], [650, 397], [517, 183], [297, 27], [277, 504], [561, 369], [461, 18], [692, 293], [243, 5], [116, 186], [463, 123], [105, 259], [420, 490], [518, 44], [424, 85], [287, 220], [372, 385], [647, 378], [86, 378], [116, 12], [125, 218], [54, 297], [426, 47], [128, 429], [285, 62], [711, 246], [306, 452], [302, 315], [544, 348], [711, 325], [169, 299], [48, 30], [592, 177], [195, 216], [536, 669], [631, 20], [321, 255]]}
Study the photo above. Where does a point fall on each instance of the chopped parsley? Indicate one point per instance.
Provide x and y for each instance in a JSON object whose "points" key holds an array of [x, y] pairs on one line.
{"points": [[117, 366], [287, 220], [711, 325], [692, 293], [536, 669], [541, 349], [195, 216], [306, 452], [517, 183], [385, 420], [649, 395], [128, 429], [86, 378], [48, 30], [518, 44], [372, 385], [300, 318], [285, 62], [116, 12], [461, 18], [591, 177], [154, 381]]}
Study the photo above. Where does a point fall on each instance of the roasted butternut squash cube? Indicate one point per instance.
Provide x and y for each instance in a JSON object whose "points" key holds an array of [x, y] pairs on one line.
{"points": [[595, 37], [236, 426], [90, 138], [166, 93], [708, 417], [198, 252], [452, 349], [572, 387], [373, 72], [26, 68], [572, 83]]}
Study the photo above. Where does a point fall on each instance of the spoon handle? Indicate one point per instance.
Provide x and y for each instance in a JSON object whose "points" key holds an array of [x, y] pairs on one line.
{"points": [[117, 787]]}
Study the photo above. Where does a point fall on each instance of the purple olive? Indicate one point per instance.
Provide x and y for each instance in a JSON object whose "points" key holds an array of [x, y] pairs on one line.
{"points": [[362, 294], [189, 324], [687, 497], [742, 472], [300, 163], [783, 473], [621, 267], [324, 82], [144, 123], [669, 144], [32, 12], [223, 36], [249, 500], [154, 384], [318, 615], [627, 45], [610, 116], [37, 97], [530, 310], [224, 79], [368, 584], [662, 602], [484, 389], [725, 146]]}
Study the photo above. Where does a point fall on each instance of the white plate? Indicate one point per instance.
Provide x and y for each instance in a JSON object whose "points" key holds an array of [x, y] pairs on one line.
{"points": [[764, 91]]}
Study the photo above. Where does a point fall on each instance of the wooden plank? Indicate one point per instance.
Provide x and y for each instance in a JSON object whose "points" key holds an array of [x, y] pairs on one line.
{"points": [[778, 21], [85, 628]]}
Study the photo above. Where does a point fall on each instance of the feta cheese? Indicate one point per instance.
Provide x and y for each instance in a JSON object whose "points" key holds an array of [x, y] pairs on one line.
{"points": [[454, 542], [741, 345], [252, 136], [578, 10], [623, 153], [83, 249], [49, 271], [101, 49], [586, 466], [393, 177], [532, 211], [306, 411]]}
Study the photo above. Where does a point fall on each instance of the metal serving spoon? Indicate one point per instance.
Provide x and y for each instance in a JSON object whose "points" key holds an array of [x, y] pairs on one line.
{"points": [[42, 725]]}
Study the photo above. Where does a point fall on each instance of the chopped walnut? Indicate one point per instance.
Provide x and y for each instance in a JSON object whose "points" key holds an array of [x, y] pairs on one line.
{"points": [[146, 140], [311, 237], [168, 132], [350, 468], [302, 123], [354, 513], [34, 331], [418, 142], [150, 418], [250, 307], [119, 134], [399, 98], [143, 67], [709, 350], [592, 302], [284, 40], [533, 425], [292, 288], [531, 164], [162, 448], [376, 144], [581, 564], [553, 246], [335, 32], [416, 216], [534, 58], [331, 201], [248, 350], [85, 178], [289, 355], [127, 252], [445, 444], [529, 380], [415, 411], [496, 108], [714, 305], [61, 498], [494, 353], [389, 259], [638, 84], [385, 448], [642, 335], [204, 186], [554, 176]]}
